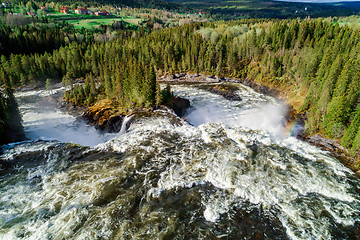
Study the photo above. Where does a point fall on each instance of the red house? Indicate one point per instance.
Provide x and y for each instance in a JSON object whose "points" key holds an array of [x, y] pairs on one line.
{"points": [[64, 9], [82, 11], [102, 13], [31, 13]]}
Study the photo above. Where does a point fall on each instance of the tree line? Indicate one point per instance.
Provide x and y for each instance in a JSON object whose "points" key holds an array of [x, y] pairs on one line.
{"points": [[45, 36], [32, 38], [11, 128], [315, 60]]}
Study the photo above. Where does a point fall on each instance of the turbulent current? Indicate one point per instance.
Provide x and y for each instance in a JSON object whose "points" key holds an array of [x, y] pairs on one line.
{"points": [[231, 171]]}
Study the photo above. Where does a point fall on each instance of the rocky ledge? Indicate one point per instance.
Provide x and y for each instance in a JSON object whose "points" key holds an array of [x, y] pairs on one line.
{"points": [[259, 88], [190, 78], [336, 150], [104, 119], [109, 120], [227, 92]]}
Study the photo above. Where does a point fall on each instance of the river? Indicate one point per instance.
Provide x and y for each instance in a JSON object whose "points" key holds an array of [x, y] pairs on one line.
{"points": [[233, 171]]}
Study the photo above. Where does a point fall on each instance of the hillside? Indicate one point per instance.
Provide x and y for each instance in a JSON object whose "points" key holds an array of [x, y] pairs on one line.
{"points": [[265, 9], [349, 4], [159, 4], [156, 4], [312, 62]]}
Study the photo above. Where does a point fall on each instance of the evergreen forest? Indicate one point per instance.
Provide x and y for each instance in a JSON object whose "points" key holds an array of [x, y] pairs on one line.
{"points": [[313, 62], [11, 129]]}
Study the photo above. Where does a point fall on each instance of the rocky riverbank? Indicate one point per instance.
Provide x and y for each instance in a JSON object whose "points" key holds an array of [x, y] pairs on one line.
{"points": [[330, 145], [190, 78], [108, 119], [202, 78], [227, 92], [335, 149]]}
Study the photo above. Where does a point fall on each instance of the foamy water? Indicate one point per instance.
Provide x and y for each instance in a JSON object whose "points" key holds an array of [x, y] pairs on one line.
{"points": [[43, 120], [233, 173]]}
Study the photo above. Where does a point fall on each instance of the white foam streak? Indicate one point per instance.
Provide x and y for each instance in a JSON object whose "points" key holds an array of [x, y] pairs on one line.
{"points": [[124, 124], [237, 148], [255, 111], [42, 120]]}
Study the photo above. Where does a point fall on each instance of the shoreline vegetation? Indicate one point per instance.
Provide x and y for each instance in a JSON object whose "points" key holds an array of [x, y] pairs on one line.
{"points": [[312, 63], [333, 146], [106, 116], [11, 129]]}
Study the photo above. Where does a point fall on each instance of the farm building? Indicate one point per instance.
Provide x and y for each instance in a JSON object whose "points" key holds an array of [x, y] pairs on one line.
{"points": [[64, 9], [102, 13], [83, 11]]}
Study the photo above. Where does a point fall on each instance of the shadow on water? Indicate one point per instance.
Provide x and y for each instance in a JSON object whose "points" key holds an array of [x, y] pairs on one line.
{"points": [[164, 181]]}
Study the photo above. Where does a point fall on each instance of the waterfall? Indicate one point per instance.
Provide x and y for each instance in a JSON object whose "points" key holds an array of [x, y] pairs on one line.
{"points": [[230, 174], [126, 119]]}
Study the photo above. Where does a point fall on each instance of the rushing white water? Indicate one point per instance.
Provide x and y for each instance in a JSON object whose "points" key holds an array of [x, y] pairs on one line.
{"points": [[233, 174], [43, 120], [255, 111]]}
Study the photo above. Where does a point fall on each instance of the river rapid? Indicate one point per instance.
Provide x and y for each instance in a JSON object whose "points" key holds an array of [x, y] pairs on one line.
{"points": [[233, 171]]}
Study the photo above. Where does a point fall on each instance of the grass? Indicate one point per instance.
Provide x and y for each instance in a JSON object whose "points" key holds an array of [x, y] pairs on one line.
{"points": [[133, 20], [352, 21], [73, 16], [92, 21], [95, 22]]}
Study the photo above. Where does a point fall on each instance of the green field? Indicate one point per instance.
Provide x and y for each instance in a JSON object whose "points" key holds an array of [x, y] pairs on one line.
{"points": [[92, 21], [132, 20], [95, 22], [352, 21]]}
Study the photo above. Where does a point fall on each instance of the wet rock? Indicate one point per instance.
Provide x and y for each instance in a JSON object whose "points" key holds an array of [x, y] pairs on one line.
{"points": [[180, 75], [113, 124], [219, 79], [4, 165], [263, 89], [208, 79], [195, 75], [328, 144], [226, 92], [259, 88], [189, 78], [179, 105], [104, 120], [336, 150], [254, 149]]}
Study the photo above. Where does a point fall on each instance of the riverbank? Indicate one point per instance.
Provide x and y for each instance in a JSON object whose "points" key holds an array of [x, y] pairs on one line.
{"points": [[293, 102], [105, 117], [108, 118], [219, 175], [333, 146]]}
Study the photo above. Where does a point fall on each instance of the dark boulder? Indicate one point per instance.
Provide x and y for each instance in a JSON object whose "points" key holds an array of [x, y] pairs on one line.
{"points": [[180, 75], [112, 125], [179, 105], [226, 92], [4, 165], [103, 120]]}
